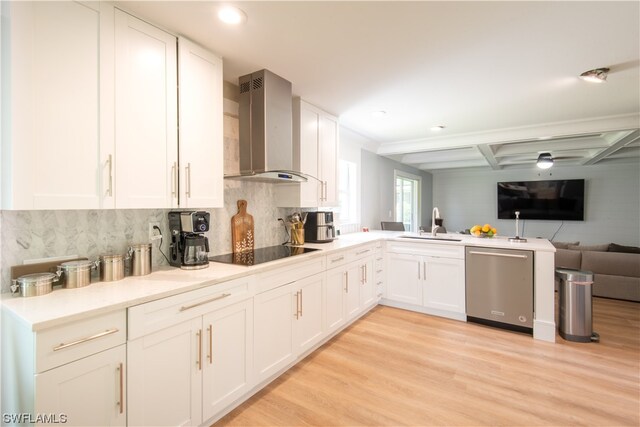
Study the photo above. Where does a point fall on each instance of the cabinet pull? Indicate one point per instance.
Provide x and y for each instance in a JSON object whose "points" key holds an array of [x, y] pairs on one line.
{"points": [[189, 307], [110, 161], [498, 254], [83, 340], [297, 314], [425, 270], [210, 355], [174, 179], [366, 273], [326, 191], [121, 374], [337, 259], [199, 362], [363, 252], [418, 271], [346, 281], [188, 173]]}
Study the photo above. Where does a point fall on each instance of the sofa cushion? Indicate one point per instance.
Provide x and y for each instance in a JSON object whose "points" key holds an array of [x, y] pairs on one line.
{"points": [[619, 287], [566, 258], [599, 248], [564, 245], [624, 249], [611, 263]]}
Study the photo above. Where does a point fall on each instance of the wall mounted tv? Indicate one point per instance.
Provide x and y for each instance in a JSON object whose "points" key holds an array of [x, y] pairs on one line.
{"points": [[558, 200]]}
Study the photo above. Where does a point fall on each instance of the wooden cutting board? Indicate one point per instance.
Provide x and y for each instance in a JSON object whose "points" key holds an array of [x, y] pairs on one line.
{"points": [[242, 229]]}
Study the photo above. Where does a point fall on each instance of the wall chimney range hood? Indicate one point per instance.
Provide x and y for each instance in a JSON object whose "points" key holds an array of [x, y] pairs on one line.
{"points": [[265, 116]]}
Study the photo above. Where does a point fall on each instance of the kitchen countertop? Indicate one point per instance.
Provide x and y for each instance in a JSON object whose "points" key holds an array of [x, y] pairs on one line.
{"points": [[65, 305]]}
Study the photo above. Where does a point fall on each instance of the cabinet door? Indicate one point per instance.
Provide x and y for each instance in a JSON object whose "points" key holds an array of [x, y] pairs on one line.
{"points": [[444, 284], [57, 109], [308, 153], [352, 297], [90, 391], [334, 299], [227, 356], [368, 286], [165, 377], [200, 94], [404, 278], [273, 338], [146, 115], [308, 325], [328, 159]]}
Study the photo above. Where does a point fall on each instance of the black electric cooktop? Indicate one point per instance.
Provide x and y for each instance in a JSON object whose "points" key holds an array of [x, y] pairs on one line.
{"points": [[259, 256]]}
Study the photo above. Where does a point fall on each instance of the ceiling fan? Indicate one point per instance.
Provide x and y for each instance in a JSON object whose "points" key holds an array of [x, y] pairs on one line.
{"points": [[545, 159]]}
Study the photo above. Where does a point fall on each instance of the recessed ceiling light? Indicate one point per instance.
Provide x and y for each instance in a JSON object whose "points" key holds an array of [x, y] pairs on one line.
{"points": [[437, 128], [598, 75], [379, 113], [232, 15]]}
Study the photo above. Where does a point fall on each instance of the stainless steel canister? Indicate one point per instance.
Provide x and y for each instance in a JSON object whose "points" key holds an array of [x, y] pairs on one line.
{"points": [[140, 259], [111, 267], [76, 274], [33, 285]]}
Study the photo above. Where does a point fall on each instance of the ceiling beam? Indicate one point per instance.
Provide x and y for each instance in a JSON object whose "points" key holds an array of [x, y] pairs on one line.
{"points": [[487, 152], [622, 142]]}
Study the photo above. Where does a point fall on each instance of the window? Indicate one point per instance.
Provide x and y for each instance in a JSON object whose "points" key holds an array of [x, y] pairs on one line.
{"points": [[347, 192], [407, 199]]}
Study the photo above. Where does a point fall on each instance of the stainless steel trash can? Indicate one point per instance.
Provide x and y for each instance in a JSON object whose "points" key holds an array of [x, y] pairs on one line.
{"points": [[576, 322]]}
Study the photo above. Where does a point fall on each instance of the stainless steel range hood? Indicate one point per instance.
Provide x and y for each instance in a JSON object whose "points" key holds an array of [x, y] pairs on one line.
{"points": [[265, 115]]}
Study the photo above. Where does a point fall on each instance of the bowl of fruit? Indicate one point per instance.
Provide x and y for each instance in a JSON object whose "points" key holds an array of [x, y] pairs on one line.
{"points": [[483, 231]]}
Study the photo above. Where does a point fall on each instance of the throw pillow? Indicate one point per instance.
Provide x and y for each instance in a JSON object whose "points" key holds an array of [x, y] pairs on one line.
{"points": [[564, 245], [624, 249], [595, 248]]}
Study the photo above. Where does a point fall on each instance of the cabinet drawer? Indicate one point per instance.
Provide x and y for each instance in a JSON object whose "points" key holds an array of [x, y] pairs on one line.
{"points": [[337, 259], [63, 344], [281, 276], [362, 251], [442, 250], [163, 313]]}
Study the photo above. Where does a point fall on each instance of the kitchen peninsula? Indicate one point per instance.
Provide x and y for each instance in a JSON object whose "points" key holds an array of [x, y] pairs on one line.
{"points": [[255, 322]]}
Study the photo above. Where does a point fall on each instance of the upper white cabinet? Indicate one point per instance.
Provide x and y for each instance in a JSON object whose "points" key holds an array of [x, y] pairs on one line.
{"points": [[57, 105], [315, 153], [200, 130], [146, 132]]}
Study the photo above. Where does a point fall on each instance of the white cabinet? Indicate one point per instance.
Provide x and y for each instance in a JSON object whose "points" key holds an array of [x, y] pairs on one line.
{"points": [[190, 355], [335, 299], [308, 327], [87, 392], [315, 153], [200, 127], [57, 121], [428, 276], [146, 128]]}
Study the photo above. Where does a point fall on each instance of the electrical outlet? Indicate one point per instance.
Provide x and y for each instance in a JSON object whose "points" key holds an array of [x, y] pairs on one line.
{"points": [[153, 233]]}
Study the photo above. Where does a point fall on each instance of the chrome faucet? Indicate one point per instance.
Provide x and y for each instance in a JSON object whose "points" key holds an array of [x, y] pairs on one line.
{"points": [[434, 228]]}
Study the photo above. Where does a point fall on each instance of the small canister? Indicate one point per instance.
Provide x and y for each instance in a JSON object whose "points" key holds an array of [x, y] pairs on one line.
{"points": [[76, 274], [33, 285], [140, 259], [111, 267]]}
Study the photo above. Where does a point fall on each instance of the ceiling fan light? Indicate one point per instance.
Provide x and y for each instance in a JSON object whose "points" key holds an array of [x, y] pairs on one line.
{"points": [[598, 75], [545, 161]]}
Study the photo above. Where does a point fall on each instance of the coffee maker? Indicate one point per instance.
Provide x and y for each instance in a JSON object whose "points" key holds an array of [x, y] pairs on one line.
{"points": [[189, 248], [318, 227]]}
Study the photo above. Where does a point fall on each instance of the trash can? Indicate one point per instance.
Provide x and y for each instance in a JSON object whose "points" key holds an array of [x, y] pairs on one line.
{"points": [[576, 323]]}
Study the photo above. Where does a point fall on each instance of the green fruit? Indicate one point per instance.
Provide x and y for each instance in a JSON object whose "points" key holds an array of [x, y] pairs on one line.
{"points": [[490, 233]]}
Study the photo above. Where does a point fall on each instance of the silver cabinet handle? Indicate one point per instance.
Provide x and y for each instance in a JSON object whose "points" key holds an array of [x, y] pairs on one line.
{"points": [[210, 355], [498, 254], [363, 252], [110, 161], [418, 271], [189, 307], [188, 178], [297, 313], [83, 340], [199, 361], [174, 178], [121, 375], [337, 259], [346, 281], [425, 270], [326, 191]]}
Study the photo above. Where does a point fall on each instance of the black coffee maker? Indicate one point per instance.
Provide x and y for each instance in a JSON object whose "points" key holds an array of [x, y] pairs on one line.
{"points": [[189, 248]]}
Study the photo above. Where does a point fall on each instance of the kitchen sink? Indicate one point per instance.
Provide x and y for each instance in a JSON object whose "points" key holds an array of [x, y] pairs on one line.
{"points": [[446, 239]]}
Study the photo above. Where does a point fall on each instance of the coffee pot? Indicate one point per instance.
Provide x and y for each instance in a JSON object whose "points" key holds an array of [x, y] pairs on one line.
{"points": [[189, 248]]}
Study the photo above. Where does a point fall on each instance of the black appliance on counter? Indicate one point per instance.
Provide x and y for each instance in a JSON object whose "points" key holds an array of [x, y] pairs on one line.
{"points": [[261, 255], [318, 227], [189, 248]]}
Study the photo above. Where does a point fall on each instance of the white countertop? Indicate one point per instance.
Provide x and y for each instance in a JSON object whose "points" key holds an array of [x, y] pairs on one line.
{"points": [[64, 305]]}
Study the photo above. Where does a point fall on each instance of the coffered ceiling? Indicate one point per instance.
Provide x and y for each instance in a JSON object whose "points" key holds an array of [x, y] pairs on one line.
{"points": [[502, 77]]}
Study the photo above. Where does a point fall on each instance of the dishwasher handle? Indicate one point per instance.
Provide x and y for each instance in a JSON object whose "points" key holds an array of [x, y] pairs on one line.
{"points": [[498, 254]]}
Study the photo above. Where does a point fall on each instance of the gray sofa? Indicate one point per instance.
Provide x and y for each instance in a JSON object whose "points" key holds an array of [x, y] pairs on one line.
{"points": [[615, 274]]}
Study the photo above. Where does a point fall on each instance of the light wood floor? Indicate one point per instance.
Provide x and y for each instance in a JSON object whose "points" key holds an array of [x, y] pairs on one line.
{"points": [[395, 367]]}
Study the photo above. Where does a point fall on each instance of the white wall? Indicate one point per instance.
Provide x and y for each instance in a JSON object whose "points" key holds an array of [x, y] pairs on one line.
{"points": [[612, 202]]}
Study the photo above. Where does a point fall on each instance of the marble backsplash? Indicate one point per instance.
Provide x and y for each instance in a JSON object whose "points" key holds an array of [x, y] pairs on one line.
{"points": [[26, 235]]}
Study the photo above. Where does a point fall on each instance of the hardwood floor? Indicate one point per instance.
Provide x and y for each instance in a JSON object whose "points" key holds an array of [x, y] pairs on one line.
{"points": [[395, 367]]}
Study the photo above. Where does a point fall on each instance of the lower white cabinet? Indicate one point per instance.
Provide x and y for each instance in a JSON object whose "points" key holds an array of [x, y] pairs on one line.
{"points": [[288, 322], [335, 295], [444, 284], [404, 282], [87, 392]]}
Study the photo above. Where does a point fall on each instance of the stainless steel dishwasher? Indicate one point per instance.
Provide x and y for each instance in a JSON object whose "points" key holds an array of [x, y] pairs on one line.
{"points": [[499, 287]]}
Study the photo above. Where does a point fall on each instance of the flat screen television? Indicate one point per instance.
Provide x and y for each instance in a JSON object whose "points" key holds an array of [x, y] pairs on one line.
{"points": [[558, 200]]}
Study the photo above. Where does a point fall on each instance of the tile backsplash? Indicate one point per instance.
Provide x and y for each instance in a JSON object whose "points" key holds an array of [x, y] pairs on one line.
{"points": [[28, 235]]}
